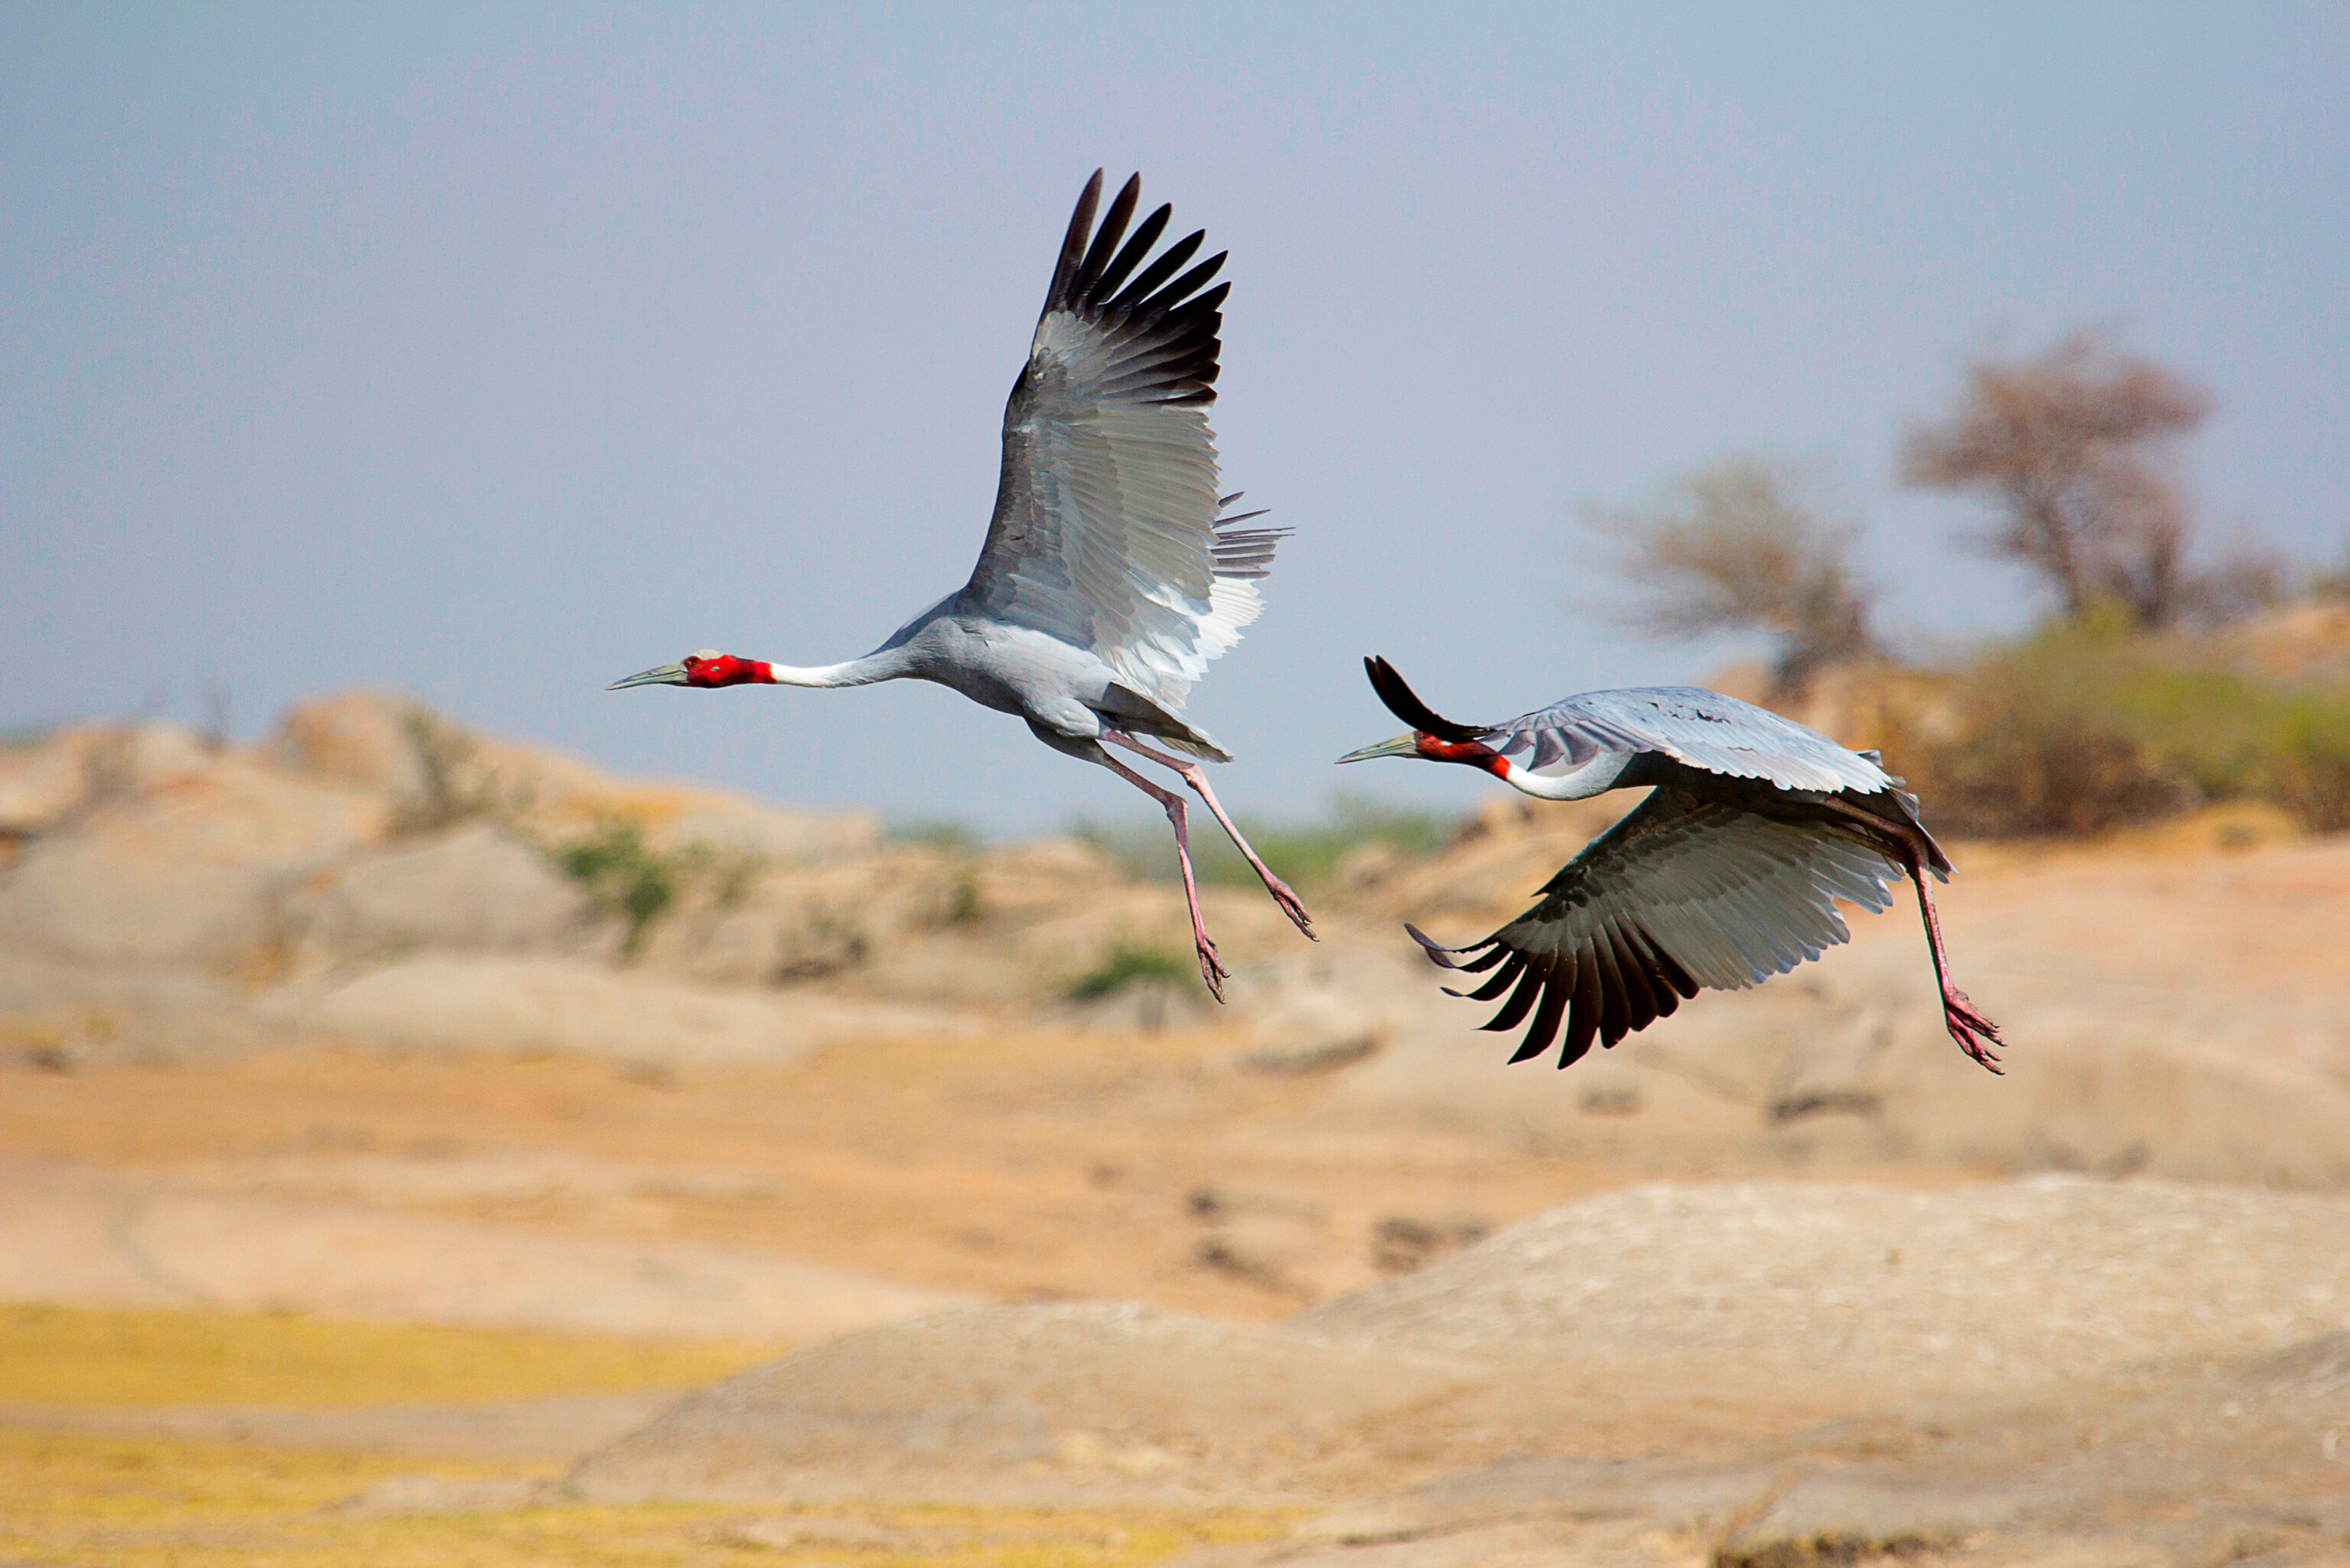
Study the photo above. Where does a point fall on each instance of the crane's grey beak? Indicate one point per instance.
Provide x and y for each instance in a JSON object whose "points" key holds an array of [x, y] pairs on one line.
{"points": [[1401, 746], [667, 675]]}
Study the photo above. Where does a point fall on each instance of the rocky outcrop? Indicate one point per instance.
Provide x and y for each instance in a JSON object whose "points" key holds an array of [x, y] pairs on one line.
{"points": [[377, 872], [1982, 1374], [539, 1004], [1048, 1404], [94, 1239], [165, 852], [476, 888], [1905, 1293], [2176, 1008]]}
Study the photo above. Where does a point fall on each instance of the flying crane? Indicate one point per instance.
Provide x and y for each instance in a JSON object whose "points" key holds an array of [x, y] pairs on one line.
{"points": [[1113, 571], [1727, 874]]}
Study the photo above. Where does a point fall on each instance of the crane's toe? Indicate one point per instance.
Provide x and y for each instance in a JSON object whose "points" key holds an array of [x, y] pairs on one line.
{"points": [[1211, 969], [1977, 1035], [1292, 906]]}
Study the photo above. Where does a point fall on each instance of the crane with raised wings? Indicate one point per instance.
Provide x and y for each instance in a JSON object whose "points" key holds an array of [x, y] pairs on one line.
{"points": [[1727, 874], [1113, 571]]}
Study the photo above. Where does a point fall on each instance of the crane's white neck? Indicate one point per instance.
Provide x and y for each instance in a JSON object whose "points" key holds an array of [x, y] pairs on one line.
{"points": [[1597, 776], [882, 664]]}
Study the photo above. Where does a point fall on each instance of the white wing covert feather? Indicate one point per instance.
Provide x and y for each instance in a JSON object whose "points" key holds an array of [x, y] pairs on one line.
{"points": [[1700, 727], [1108, 531]]}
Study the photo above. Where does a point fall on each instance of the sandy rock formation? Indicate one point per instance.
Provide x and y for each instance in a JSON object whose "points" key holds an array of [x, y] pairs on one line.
{"points": [[2127, 1487], [94, 1239], [803, 922], [169, 853], [457, 1003], [371, 832], [363, 740], [40, 782], [1917, 1294], [143, 862], [436, 772], [1835, 1373], [2177, 1010], [473, 888], [1046, 1404], [2242, 1460]]}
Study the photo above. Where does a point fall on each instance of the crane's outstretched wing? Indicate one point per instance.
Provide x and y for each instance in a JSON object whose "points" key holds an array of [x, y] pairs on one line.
{"points": [[1681, 893], [1108, 529]]}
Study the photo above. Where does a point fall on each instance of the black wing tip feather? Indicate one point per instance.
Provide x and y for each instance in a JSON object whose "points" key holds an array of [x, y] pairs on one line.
{"points": [[1438, 953], [1173, 325], [1094, 268], [1073, 243], [1621, 981], [1405, 704]]}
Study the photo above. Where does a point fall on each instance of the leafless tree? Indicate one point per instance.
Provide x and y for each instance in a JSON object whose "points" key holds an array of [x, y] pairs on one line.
{"points": [[1746, 543], [2075, 445]]}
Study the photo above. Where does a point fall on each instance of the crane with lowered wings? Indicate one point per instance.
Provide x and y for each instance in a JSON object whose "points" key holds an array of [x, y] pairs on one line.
{"points": [[1727, 874]]}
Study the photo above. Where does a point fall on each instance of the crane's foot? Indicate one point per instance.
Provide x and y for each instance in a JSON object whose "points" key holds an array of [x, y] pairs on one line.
{"points": [[1291, 905], [1211, 969], [1977, 1036]]}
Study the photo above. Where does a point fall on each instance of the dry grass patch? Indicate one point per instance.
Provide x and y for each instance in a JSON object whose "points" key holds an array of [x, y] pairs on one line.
{"points": [[141, 1502], [168, 1503], [73, 1356]]}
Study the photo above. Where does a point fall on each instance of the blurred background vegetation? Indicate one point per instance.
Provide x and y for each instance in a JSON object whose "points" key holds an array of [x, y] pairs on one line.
{"points": [[1308, 855], [2171, 672]]}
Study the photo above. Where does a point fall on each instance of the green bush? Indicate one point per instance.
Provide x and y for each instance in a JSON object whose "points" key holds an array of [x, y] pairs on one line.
{"points": [[2086, 726], [627, 878], [1126, 964], [2314, 763], [954, 837]]}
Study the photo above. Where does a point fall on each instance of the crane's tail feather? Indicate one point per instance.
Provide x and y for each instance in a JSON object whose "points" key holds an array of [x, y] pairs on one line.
{"points": [[1244, 554], [1137, 714], [1406, 705], [1196, 744]]}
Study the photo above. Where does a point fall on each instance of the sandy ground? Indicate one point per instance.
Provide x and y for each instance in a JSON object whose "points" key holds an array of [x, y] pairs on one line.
{"points": [[1118, 1295], [1729, 1355], [1016, 1166]]}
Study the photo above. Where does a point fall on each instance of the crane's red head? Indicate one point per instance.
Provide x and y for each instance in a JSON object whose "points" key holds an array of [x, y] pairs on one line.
{"points": [[1432, 738], [707, 668]]}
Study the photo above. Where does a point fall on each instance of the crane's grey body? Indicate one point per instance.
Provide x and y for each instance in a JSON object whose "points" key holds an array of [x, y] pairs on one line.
{"points": [[1068, 694], [1010, 644], [1730, 872], [1111, 575]]}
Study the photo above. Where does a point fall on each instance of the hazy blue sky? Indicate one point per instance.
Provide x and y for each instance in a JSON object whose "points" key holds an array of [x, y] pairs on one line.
{"points": [[492, 353]]}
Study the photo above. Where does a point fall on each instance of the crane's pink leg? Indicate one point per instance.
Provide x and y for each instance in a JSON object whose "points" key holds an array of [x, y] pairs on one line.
{"points": [[1211, 969], [1977, 1036], [1197, 777]]}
